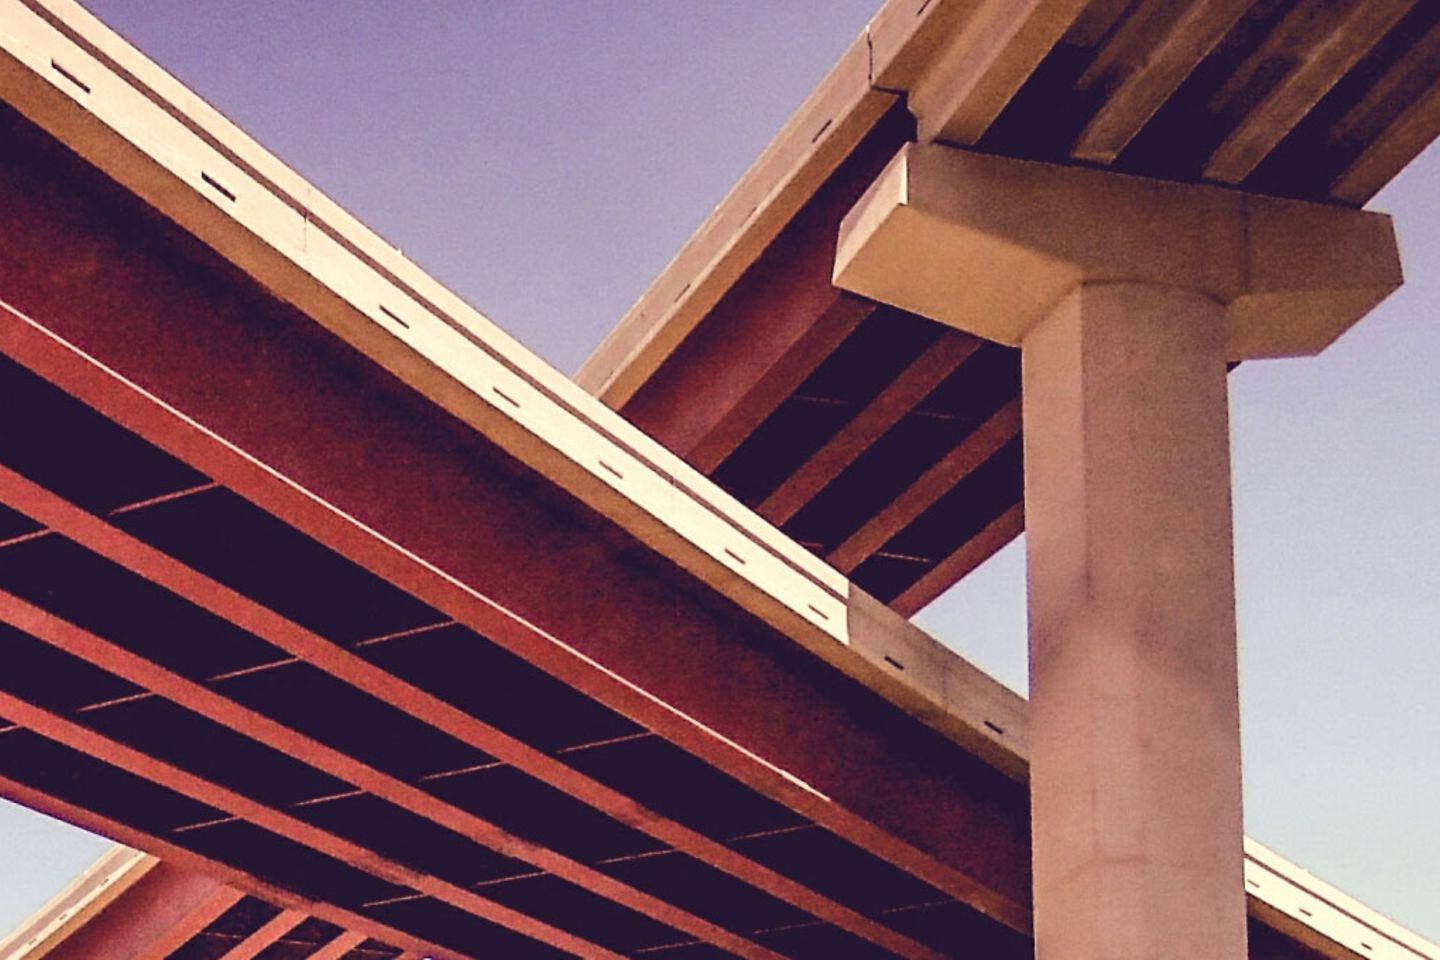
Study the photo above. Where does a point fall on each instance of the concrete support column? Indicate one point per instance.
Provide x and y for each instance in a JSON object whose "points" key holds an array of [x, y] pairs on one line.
{"points": [[1126, 297], [1135, 741]]}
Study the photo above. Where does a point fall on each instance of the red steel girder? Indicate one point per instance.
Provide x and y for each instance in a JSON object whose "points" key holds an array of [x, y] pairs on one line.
{"points": [[107, 750], [195, 863], [114, 544], [207, 703], [363, 464]]}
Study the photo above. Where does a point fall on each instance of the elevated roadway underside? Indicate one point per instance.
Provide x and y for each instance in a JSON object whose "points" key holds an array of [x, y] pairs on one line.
{"points": [[890, 445], [130, 906], [210, 662], [178, 648], [314, 583]]}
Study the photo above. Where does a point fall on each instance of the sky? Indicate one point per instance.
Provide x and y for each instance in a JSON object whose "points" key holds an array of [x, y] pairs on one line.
{"points": [[545, 159]]}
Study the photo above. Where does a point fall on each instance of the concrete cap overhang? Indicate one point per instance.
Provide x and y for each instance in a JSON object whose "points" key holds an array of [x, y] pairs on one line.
{"points": [[990, 245]]}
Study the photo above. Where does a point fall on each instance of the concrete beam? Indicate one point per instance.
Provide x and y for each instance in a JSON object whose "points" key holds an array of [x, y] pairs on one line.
{"points": [[987, 58], [991, 246]]}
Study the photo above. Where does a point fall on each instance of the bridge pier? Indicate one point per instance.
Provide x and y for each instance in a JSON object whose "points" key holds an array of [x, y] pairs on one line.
{"points": [[1127, 298], [1135, 730]]}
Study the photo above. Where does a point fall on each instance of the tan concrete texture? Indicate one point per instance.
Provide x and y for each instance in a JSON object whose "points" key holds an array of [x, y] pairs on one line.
{"points": [[1135, 734], [991, 245]]}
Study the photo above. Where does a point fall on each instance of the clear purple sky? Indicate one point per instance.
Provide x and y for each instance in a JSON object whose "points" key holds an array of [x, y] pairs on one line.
{"points": [[545, 159]]}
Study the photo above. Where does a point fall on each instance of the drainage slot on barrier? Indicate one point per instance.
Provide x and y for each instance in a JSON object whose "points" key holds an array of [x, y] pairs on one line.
{"points": [[219, 187], [55, 65], [393, 316]]}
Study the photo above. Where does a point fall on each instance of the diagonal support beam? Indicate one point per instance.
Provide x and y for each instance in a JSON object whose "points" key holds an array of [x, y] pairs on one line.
{"points": [[907, 390], [985, 878], [162, 908], [114, 544], [205, 702], [107, 750], [270, 933], [204, 914], [975, 551], [336, 949], [706, 422], [198, 865], [1002, 426]]}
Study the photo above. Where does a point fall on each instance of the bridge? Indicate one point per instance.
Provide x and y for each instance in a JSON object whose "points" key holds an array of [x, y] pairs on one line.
{"points": [[387, 638]]}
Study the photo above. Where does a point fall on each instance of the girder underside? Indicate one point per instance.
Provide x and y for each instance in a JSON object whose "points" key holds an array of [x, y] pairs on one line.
{"points": [[889, 445], [180, 646]]}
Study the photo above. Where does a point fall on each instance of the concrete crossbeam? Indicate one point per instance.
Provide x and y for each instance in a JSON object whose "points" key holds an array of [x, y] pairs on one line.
{"points": [[991, 245]]}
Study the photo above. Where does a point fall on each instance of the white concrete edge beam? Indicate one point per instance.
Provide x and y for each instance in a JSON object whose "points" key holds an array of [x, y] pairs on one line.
{"points": [[307, 253], [486, 377], [963, 59], [117, 869], [809, 147], [1283, 892], [306, 250]]}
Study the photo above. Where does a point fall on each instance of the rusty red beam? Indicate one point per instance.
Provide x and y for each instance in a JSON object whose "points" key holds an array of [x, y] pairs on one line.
{"points": [[973, 552], [132, 407], [719, 412], [107, 750], [306, 408], [778, 322], [337, 948], [163, 943], [201, 700], [929, 487], [909, 388], [221, 873], [114, 544], [270, 932], [151, 920]]}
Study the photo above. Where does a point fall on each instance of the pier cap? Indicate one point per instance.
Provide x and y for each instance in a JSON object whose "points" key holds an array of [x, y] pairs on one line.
{"points": [[990, 245]]}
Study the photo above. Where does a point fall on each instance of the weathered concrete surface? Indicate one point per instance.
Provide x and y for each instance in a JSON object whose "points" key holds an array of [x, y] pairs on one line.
{"points": [[990, 245], [1135, 730]]}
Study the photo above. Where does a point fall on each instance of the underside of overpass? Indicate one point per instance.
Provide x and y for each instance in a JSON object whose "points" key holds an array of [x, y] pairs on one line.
{"points": [[116, 549], [132, 905], [388, 639], [890, 444]]}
